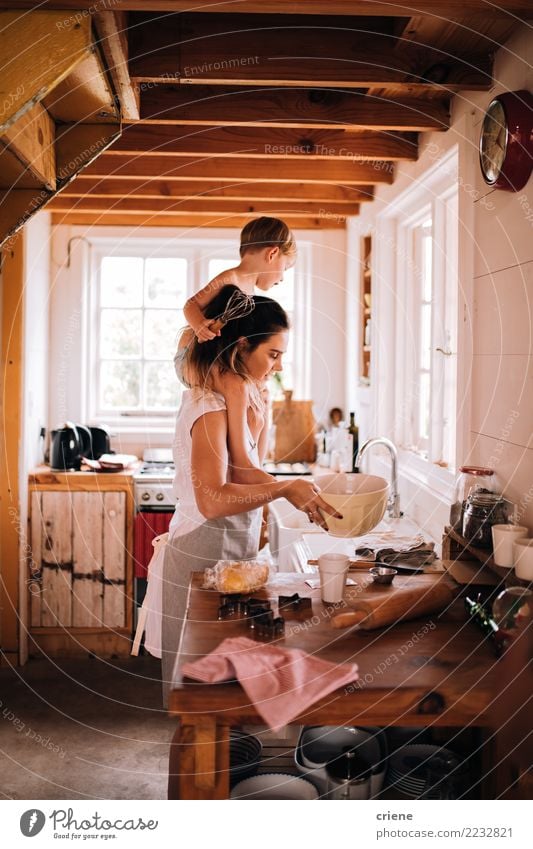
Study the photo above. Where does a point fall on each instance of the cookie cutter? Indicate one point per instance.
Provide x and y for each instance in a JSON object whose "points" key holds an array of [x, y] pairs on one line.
{"points": [[266, 625], [294, 604], [237, 606]]}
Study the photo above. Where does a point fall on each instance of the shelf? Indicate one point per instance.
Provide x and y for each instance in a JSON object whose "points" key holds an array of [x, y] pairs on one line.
{"points": [[482, 555], [367, 349]]}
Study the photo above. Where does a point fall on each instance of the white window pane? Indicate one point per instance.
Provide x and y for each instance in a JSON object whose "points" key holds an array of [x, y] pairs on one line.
{"points": [[161, 332], [120, 333], [284, 292], [287, 375], [425, 336], [121, 281], [162, 390], [165, 282], [217, 266], [120, 383], [423, 408]]}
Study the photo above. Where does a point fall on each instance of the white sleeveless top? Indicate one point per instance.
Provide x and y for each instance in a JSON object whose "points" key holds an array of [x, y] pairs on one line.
{"points": [[195, 403]]}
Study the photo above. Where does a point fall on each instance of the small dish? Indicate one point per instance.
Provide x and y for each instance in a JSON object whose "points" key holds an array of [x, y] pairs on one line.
{"points": [[275, 786], [383, 574], [319, 744]]}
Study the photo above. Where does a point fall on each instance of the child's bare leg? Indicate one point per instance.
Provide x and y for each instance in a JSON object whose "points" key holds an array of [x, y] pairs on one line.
{"points": [[236, 393]]}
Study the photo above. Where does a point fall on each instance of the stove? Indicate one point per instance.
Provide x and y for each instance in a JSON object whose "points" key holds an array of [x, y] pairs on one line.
{"points": [[153, 481]]}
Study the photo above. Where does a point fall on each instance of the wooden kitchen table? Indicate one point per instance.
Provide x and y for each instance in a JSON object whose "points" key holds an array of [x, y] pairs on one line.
{"points": [[435, 670]]}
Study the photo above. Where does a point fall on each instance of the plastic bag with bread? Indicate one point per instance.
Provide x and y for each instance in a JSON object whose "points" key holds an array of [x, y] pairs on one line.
{"points": [[237, 576]]}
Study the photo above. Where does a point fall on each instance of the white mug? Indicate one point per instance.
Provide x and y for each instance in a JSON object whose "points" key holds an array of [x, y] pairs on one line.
{"points": [[503, 537], [333, 569], [523, 559]]}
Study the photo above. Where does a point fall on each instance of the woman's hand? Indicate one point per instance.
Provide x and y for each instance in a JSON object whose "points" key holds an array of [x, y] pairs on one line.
{"points": [[305, 496]]}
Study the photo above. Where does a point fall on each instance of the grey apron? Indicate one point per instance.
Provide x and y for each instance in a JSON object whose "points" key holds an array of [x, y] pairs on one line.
{"points": [[227, 538]]}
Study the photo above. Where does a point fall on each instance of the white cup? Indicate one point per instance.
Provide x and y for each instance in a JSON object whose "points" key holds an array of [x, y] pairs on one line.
{"points": [[523, 559], [333, 569], [503, 537]]}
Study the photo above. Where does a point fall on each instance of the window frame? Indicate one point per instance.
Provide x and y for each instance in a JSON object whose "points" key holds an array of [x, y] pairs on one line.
{"points": [[391, 368], [198, 253]]}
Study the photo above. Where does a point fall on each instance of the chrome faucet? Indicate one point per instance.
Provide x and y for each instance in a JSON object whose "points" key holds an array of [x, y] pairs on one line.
{"points": [[393, 504]]}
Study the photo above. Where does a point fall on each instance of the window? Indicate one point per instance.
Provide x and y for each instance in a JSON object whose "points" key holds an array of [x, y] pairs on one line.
{"points": [[138, 291], [421, 252], [431, 350], [140, 303]]}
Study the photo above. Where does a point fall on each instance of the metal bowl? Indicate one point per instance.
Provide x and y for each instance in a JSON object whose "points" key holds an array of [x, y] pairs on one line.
{"points": [[383, 574]]}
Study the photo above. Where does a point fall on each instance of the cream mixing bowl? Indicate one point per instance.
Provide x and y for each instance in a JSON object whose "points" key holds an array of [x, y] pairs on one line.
{"points": [[362, 500]]}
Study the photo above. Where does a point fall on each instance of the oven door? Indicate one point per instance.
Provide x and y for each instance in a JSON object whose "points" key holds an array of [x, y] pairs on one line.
{"points": [[148, 525]]}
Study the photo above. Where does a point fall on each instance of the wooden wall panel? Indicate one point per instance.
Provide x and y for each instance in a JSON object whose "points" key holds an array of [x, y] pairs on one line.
{"points": [[114, 561], [57, 559], [87, 553], [11, 336], [35, 566]]}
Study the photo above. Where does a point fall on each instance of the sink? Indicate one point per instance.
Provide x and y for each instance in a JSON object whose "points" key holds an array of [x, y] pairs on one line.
{"points": [[286, 525]]}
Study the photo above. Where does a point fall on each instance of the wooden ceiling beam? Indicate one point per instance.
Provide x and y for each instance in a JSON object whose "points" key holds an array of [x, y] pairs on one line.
{"points": [[198, 49], [85, 96], [451, 9], [193, 222], [319, 109], [111, 28], [37, 52], [268, 144], [211, 169], [31, 139], [205, 206], [195, 189]]}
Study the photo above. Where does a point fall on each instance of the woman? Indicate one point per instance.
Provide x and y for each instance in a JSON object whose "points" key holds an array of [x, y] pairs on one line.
{"points": [[218, 516]]}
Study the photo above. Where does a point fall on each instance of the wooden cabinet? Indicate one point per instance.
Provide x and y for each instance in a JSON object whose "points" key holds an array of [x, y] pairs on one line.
{"points": [[365, 311], [80, 572]]}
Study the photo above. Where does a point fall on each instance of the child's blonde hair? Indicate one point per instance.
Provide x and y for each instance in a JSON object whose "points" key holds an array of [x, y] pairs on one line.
{"points": [[267, 232]]}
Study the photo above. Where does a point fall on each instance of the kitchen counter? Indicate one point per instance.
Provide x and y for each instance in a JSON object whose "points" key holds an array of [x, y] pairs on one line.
{"points": [[80, 573], [45, 476], [436, 670]]}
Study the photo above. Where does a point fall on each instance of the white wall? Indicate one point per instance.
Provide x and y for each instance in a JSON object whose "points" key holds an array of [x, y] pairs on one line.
{"points": [[496, 232], [35, 375], [36, 334], [69, 371]]}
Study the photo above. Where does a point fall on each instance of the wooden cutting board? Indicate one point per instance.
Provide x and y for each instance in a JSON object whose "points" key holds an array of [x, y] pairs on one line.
{"points": [[295, 431], [376, 605]]}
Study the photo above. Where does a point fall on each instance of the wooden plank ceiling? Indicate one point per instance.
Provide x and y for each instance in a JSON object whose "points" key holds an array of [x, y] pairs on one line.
{"points": [[273, 107]]}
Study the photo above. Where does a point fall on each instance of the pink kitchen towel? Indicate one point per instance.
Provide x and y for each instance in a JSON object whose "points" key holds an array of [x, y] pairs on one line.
{"points": [[280, 682]]}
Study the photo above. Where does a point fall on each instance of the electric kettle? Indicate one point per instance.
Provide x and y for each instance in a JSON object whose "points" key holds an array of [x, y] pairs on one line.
{"points": [[69, 444]]}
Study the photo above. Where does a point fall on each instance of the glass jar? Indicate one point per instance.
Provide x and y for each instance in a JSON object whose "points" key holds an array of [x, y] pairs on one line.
{"points": [[482, 511], [469, 480]]}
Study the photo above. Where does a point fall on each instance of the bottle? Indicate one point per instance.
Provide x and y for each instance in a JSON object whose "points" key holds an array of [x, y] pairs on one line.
{"points": [[353, 430]]}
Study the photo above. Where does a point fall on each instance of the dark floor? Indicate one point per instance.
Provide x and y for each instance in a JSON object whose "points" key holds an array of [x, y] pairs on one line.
{"points": [[84, 729]]}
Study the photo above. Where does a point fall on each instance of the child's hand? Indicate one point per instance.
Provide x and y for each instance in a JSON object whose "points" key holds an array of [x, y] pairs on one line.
{"points": [[202, 331]]}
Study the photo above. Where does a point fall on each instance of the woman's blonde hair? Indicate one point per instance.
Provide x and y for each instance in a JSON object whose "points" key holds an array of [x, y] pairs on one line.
{"points": [[267, 233]]}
